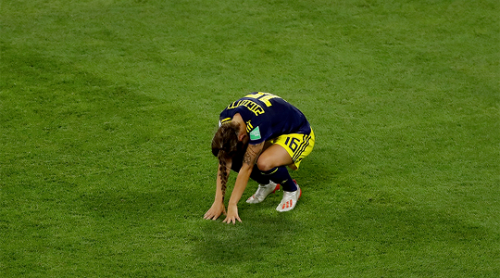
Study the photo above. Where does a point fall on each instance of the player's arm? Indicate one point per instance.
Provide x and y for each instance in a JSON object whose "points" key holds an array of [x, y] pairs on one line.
{"points": [[218, 207], [249, 159]]}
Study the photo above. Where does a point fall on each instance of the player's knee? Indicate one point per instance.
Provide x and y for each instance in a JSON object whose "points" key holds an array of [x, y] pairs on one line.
{"points": [[264, 164]]}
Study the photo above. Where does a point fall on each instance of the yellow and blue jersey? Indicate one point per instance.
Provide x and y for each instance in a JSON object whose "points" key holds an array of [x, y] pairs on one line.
{"points": [[267, 116]]}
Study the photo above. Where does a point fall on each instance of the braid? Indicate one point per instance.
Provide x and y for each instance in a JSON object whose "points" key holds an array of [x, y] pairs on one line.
{"points": [[223, 172], [225, 145]]}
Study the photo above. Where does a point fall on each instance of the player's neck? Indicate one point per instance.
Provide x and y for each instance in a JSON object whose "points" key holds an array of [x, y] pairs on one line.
{"points": [[241, 124]]}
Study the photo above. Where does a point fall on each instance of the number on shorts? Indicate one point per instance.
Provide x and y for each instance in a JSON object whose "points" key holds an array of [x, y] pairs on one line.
{"points": [[293, 144]]}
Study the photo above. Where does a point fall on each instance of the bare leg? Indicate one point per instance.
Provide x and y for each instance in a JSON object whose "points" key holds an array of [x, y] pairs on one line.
{"points": [[273, 156]]}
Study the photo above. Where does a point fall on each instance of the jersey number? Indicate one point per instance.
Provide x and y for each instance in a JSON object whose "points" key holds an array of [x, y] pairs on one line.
{"points": [[264, 97]]}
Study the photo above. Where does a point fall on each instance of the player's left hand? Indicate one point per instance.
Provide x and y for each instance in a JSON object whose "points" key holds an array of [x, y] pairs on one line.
{"points": [[232, 215]]}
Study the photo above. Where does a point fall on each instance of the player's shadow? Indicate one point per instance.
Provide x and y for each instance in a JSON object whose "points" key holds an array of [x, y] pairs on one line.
{"points": [[321, 169], [263, 230]]}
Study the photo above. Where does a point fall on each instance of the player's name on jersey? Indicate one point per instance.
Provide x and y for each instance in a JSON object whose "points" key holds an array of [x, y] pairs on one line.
{"points": [[252, 106]]}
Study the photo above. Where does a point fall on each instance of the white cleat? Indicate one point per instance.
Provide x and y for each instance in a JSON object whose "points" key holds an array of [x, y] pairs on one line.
{"points": [[290, 199], [262, 192]]}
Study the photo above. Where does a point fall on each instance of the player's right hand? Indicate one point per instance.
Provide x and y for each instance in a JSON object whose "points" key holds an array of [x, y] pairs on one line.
{"points": [[215, 211]]}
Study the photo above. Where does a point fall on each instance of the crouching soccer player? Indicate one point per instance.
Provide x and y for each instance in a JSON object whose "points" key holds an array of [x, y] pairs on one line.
{"points": [[259, 135]]}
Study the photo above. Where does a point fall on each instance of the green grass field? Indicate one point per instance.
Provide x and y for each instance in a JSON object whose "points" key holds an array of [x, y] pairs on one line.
{"points": [[107, 110]]}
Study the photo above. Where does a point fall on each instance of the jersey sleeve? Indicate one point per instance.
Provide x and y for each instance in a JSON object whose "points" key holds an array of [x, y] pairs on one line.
{"points": [[225, 116], [259, 130]]}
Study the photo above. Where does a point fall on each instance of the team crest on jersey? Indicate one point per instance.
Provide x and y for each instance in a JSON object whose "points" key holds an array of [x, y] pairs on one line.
{"points": [[255, 134]]}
